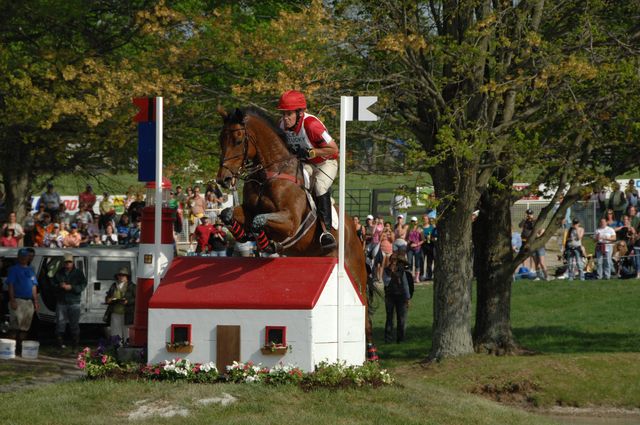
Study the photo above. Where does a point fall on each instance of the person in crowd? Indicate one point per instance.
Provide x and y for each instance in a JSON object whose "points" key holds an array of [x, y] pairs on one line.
{"points": [[625, 232], [87, 199], [109, 238], [29, 232], [51, 201], [68, 282], [129, 198], [95, 240], [12, 223], [121, 304], [617, 201], [42, 228], [133, 237], [605, 237], [74, 238], [23, 297], [84, 215], [618, 254], [538, 257], [39, 214], [8, 239], [201, 235], [414, 249], [632, 212], [611, 219], [396, 297], [360, 232], [107, 211], [526, 232], [122, 229], [65, 227], [386, 249], [135, 208], [368, 232], [430, 236], [631, 193], [197, 204], [180, 197], [310, 140], [400, 231], [601, 198], [218, 241], [574, 251], [54, 239], [376, 232], [400, 202], [83, 231], [63, 215], [93, 228]]}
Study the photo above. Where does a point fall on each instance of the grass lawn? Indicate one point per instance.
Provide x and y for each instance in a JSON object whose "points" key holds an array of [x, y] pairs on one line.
{"points": [[587, 336]]}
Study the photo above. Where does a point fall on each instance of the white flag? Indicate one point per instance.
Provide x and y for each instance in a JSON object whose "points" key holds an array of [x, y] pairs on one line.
{"points": [[357, 108]]}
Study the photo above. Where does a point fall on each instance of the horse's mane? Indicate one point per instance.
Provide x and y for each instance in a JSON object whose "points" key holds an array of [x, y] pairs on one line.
{"points": [[240, 114]]}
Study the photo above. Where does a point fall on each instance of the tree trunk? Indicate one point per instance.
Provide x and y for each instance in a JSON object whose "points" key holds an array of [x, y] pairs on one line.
{"points": [[453, 272], [16, 179], [494, 269]]}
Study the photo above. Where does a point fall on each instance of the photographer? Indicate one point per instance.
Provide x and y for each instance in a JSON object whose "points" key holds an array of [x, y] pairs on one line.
{"points": [[396, 296], [218, 241]]}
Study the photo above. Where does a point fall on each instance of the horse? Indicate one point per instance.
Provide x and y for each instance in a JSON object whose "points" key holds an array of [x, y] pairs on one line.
{"points": [[275, 207]]}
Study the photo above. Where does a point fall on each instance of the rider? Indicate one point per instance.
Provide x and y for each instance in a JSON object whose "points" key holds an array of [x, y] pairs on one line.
{"points": [[309, 139]]}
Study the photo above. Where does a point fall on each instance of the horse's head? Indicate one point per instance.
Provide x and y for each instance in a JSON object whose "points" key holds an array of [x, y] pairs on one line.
{"points": [[235, 150]]}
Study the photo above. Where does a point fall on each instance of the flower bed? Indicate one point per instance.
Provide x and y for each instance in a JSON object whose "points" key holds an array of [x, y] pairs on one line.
{"points": [[101, 363]]}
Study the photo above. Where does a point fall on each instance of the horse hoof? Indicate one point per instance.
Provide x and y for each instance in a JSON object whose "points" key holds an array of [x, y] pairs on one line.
{"points": [[327, 241], [226, 215]]}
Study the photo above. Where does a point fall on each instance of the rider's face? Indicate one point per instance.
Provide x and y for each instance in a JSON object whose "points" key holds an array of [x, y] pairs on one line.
{"points": [[289, 118]]}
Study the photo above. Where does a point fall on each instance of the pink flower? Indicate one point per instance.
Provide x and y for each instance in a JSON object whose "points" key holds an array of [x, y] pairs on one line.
{"points": [[86, 350], [104, 359], [82, 364], [157, 371]]}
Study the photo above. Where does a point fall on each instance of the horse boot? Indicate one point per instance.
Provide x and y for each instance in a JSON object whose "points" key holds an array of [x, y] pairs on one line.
{"points": [[232, 224], [323, 202]]}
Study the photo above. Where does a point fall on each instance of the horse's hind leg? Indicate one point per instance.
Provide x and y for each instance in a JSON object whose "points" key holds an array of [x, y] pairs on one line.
{"points": [[234, 219]]}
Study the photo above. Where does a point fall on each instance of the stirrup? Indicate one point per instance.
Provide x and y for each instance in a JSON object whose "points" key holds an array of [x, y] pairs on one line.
{"points": [[327, 240]]}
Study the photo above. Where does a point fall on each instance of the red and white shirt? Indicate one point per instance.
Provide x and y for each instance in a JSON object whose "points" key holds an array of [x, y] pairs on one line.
{"points": [[309, 133]]}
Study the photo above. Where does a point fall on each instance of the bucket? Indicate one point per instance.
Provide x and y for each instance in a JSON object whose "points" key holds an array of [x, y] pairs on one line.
{"points": [[30, 349], [7, 349]]}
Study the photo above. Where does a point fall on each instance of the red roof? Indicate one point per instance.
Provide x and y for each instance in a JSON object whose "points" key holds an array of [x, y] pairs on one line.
{"points": [[292, 283]]}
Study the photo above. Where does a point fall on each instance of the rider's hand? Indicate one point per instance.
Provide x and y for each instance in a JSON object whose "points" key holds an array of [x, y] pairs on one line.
{"points": [[302, 153]]}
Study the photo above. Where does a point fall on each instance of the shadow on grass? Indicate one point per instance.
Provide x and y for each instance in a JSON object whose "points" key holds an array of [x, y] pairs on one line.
{"points": [[415, 346], [558, 339]]}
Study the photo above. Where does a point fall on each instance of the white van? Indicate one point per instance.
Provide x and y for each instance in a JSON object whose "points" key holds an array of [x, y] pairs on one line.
{"points": [[98, 264]]}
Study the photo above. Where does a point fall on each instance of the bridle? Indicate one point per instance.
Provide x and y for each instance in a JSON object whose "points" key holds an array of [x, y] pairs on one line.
{"points": [[248, 166]]}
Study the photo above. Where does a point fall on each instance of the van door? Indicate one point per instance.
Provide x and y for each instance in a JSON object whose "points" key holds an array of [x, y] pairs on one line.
{"points": [[45, 270], [102, 275]]}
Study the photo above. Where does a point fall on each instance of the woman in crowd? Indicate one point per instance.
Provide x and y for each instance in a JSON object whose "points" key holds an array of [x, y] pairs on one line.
{"points": [[386, 248], [18, 231], [109, 238], [430, 235], [360, 233], [121, 304], [122, 229], [414, 250], [610, 217], [8, 239]]}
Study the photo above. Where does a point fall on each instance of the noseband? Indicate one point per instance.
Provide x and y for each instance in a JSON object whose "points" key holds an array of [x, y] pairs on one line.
{"points": [[246, 168]]}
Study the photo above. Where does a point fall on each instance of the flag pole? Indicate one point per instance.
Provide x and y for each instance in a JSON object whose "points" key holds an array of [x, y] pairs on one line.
{"points": [[158, 204]]}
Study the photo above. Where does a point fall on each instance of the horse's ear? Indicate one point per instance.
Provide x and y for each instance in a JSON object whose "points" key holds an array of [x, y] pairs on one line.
{"points": [[222, 112], [238, 116]]}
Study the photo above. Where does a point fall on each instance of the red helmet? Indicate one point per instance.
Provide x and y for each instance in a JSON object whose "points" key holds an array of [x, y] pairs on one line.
{"points": [[292, 100]]}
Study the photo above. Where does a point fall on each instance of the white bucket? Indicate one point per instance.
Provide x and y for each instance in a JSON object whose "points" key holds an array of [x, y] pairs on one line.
{"points": [[30, 349], [7, 349]]}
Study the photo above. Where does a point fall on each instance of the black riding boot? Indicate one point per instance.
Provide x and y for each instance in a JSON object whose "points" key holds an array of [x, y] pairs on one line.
{"points": [[323, 203]]}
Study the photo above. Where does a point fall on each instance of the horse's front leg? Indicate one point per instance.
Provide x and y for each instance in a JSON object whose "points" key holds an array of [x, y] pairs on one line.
{"points": [[234, 219], [277, 224]]}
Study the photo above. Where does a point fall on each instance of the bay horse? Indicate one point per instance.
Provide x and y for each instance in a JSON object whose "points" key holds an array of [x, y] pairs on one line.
{"points": [[275, 208]]}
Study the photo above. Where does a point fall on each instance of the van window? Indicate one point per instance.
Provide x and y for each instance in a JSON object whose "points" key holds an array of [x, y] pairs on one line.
{"points": [[48, 269], [107, 269]]}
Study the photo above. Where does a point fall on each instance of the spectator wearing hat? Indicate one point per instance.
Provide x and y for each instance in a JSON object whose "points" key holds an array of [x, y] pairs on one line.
{"points": [[107, 211], [69, 283], [23, 297], [201, 235], [87, 199], [54, 239], [218, 241], [51, 201], [74, 238], [121, 304]]}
